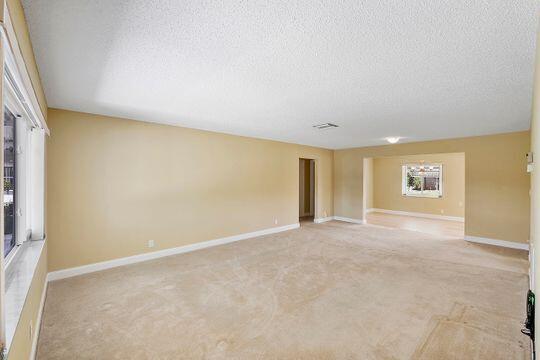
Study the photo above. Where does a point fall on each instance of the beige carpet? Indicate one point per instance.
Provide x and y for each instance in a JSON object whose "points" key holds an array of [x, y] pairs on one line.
{"points": [[328, 291]]}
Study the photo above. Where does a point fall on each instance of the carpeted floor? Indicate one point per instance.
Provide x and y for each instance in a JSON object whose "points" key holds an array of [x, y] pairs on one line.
{"points": [[326, 291]]}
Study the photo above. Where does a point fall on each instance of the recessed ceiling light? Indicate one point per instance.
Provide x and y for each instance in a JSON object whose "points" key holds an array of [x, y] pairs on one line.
{"points": [[392, 139]]}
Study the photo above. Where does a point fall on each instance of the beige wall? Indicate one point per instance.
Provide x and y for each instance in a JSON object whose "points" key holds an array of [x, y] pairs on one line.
{"points": [[496, 182], [114, 184], [21, 345], [368, 183], [387, 188]]}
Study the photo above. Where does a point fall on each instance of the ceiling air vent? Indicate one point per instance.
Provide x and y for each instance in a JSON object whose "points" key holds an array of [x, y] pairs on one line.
{"points": [[325, 126]]}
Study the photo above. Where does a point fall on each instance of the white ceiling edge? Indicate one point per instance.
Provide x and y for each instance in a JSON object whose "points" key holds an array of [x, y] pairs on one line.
{"points": [[376, 143], [419, 70]]}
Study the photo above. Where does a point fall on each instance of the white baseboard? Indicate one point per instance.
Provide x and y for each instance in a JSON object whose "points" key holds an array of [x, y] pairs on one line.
{"points": [[346, 219], [37, 325], [321, 220], [496, 242], [85, 269], [417, 214]]}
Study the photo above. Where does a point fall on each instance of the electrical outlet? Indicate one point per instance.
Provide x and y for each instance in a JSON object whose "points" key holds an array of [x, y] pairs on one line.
{"points": [[442, 211], [151, 243]]}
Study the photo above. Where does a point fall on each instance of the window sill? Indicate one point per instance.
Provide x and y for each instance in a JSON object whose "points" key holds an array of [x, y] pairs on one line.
{"points": [[13, 254], [422, 196], [19, 275]]}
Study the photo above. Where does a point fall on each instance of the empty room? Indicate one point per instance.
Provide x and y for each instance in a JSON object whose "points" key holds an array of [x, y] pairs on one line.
{"points": [[269, 179], [424, 192]]}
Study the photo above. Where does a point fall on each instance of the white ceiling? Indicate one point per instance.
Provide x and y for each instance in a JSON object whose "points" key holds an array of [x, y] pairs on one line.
{"points": [[271, 69]]}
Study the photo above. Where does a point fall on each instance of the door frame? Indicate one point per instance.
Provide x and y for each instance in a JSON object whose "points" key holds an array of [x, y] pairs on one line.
{"points": [[315, 185]]}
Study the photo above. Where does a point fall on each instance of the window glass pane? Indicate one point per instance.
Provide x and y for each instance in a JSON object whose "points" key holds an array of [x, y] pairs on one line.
{"points": [[9, 181], [414, 183], [431, 183], [423, 180]]}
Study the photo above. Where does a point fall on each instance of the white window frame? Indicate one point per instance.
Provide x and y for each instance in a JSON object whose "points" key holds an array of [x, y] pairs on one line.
{"points": [[20, 99], [404, 189], [18, 92], [26, 174], [14, 106]]}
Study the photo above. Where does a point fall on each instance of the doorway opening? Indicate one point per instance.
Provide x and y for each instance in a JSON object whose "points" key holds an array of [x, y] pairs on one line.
{"points": [[421, 192], [306, 199]]}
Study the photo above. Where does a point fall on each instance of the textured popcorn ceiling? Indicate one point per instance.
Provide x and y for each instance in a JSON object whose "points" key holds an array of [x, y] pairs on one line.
{"points": [[272, 69]]}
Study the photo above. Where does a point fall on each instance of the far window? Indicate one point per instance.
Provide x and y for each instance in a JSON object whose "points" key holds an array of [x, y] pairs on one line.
{"points": [[423, 180]]}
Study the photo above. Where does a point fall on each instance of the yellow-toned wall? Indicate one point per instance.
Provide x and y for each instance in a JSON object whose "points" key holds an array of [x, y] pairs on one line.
{"points": [[496, 181], [368, 183], [114, 184], [21, 345], [387, 188]]}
